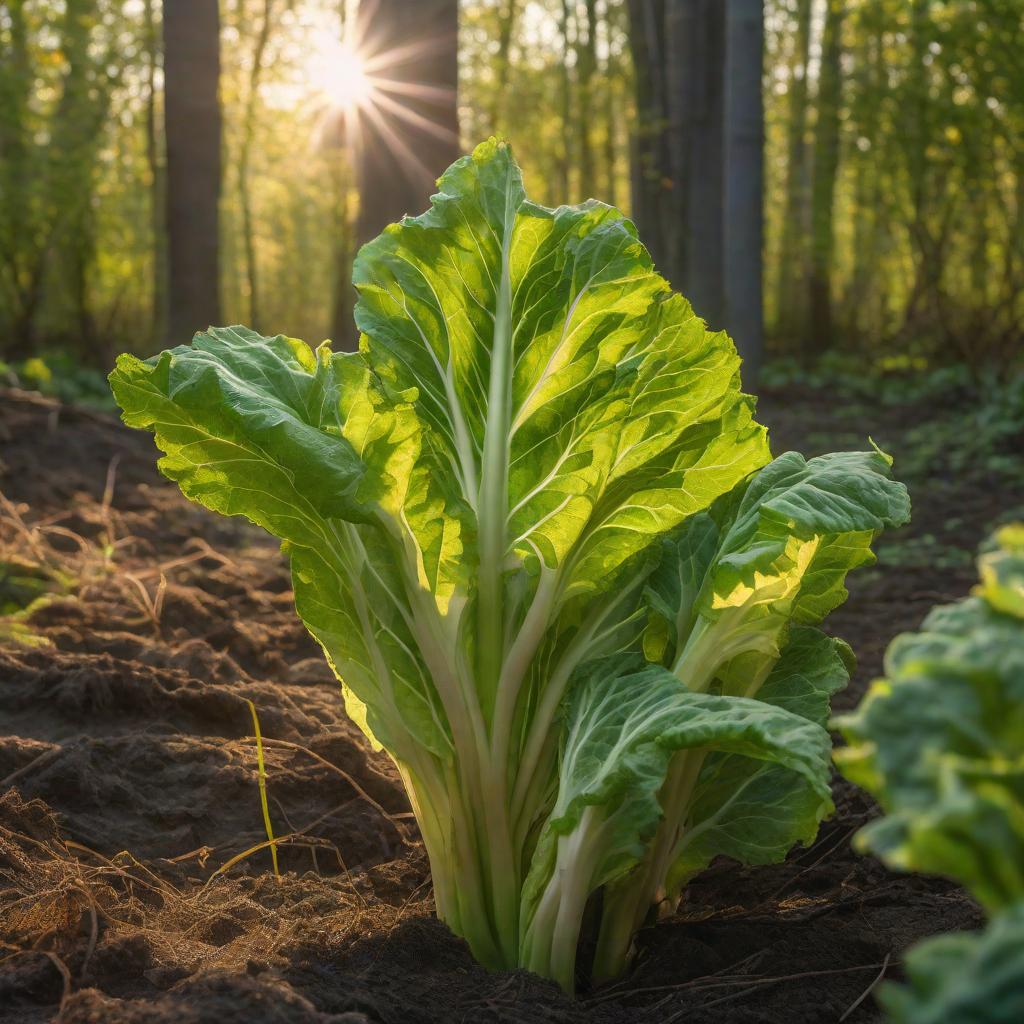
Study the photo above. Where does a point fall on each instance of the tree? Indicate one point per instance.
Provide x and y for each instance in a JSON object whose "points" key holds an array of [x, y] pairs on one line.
{"points": [[792, 255], [826, 166], [586, 65], [192, 122], [611, 109], [698, 183], [744, 181], [342, 328], [158, 192], [21, 253], [78, 122], [245, 159], [565, 103], [650, 173], [507, 13], [409, 128], [696, 83]]}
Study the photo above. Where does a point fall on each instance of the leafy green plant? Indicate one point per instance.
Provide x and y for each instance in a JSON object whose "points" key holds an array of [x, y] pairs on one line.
{"points": [[62, 375], [538, 534], [940, 743]]}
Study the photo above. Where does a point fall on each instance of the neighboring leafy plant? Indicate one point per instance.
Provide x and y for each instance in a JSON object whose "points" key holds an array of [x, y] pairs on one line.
{"points": [[940, 743], [62, 375], [537, 533]]}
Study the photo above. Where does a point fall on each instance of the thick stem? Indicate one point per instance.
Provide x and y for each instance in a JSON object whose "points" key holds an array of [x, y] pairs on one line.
{"points": [[433, 811], [501, 865], [627, 904], [495, 840], [492, 508], [550, 943], [479, 851], [590, 641], [449, 824]]}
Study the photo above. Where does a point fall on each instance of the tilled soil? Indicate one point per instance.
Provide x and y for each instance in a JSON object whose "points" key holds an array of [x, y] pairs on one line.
{"points": [[130, 889]]}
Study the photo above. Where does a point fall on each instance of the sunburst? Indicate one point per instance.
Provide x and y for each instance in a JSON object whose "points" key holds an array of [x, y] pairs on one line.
{"points": [[366, 86]]}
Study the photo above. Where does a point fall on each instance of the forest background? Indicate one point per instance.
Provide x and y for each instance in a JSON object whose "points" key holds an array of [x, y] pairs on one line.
{"points": [[165, 166]]}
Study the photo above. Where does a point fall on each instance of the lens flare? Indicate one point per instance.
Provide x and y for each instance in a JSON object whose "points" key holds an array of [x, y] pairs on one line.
{"points": [[338, 72]]}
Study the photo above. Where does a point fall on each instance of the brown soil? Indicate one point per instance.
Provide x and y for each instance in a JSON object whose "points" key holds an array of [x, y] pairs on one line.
{"points": [[128, 776]]}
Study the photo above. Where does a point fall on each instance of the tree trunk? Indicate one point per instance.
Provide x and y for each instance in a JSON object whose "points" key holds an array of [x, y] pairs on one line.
{"points": [[78, 123], [611, 113], [697, 108], [343, 295], [506, 27], [586, 63], [683, 28], [157, 188], [19, 249], [342, 328], [650, 173], [244, 162], [744, 181], [407, 140], [565, 98], [826, 166], [792, 256], [193, 133]]}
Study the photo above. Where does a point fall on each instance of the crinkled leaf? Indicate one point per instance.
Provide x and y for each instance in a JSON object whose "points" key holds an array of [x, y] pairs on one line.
{"points": [[623, 412], [940, 743], [784, 549], [756, 811], [266, 429], [837, 502], [673, 588], [625, 724]]}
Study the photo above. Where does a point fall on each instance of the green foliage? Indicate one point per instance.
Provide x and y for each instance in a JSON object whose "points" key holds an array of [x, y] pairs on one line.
{"points": [[889, 380], [940, 743], [963, 977], [927, 259], [920, 132], [985, 436], [970, 422], [62, 375], [537, 533], [923, 552]]}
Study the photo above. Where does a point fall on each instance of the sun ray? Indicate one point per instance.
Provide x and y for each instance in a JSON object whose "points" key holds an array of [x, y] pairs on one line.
{"points": [[414, 118], [415, 170], [415, 90]]}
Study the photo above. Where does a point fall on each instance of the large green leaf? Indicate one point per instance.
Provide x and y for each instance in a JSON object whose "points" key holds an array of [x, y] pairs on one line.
{"points": [[756, 811], [266, 429], [615, 414], [775, 552], [626, 723], [249, 426]]}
